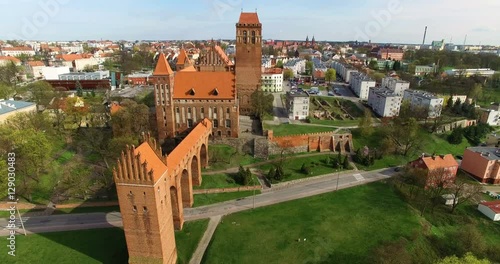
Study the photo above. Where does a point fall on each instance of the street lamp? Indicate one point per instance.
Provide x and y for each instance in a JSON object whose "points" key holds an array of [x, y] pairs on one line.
{"points": [[338, 175]]}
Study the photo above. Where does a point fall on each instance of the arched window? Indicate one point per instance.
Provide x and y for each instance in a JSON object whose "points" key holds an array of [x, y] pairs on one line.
{"points": [[253, 37], [245, 36]]}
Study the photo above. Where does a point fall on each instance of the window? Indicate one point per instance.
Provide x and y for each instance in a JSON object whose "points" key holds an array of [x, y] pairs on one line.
{"points": [[216, 123], [227, 110], [177, 109], [145, 209], [245, 36], [134, 209], [190, 122], [228, 122], [202, 110], [253, 37], [189, 110]]}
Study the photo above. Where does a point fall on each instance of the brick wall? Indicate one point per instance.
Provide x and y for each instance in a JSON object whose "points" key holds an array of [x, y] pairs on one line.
{"points": [[324, 141]]}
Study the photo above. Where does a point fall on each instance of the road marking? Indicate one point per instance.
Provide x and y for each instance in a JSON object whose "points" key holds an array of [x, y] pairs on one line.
{"points": [[358, 177]]}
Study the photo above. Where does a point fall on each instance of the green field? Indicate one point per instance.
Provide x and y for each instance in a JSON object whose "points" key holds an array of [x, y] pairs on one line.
{"points": [[339, 227], [224, 156], [335, 123], [318, 166], [223, 180], [93, 246], [211, 198], [291, 129]]}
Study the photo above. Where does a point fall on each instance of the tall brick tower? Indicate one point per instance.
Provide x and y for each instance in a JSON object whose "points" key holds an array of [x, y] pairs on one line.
{"points": [[248, 58], [146, 204], [163, 80]]}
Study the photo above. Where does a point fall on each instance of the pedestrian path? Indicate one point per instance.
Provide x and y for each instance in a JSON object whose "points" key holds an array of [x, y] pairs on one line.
{"points": [[205, 240]]}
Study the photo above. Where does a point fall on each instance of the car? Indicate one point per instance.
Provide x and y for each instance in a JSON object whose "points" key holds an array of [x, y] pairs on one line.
{"points": [[331, 93]]}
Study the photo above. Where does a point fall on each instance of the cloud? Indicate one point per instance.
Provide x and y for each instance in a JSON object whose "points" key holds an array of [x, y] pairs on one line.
{"points": [[484, 29]]}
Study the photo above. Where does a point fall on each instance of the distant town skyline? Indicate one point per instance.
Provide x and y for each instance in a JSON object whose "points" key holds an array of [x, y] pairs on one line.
{"points": [[389, 21]]}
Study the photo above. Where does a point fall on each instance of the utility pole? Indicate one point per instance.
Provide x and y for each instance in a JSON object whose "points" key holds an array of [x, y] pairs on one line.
{"points": [[20, 219], [338, 175]]}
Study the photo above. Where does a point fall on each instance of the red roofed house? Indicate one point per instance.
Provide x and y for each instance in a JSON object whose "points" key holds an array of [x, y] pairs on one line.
{"points": [[440, 169], [490, 209], [5, 60], [16, 51], [35, 67]]}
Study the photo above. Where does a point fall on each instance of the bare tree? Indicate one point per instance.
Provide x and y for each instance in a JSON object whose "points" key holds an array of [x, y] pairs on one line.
{"points": [[463, 192]]}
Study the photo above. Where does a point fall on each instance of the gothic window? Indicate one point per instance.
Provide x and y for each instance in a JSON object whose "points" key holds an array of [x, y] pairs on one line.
{"points": [[202, 110], [189, 110], [216, 123], [253, 37], [190, 123], [245, 36]]}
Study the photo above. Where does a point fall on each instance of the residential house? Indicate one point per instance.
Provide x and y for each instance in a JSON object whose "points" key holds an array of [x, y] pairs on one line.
{"points": [[440, 169], [396, 85], [17, 51], [272, 80], [421, 99], [297, 105], [5, 60], [35, 67], [483, 163], [391, 54], [360, 84]]}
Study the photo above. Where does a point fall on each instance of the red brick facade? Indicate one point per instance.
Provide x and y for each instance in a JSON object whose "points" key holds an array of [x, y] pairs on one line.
{"points": [[153, 190], [248, 58], [326, 141]]}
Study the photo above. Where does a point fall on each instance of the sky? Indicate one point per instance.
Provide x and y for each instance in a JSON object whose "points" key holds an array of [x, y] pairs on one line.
{"points": [[387, 21]]}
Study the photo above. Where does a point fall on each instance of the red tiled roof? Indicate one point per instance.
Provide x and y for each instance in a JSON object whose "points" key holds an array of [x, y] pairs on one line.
{"points": [[35, 63], [190, 68], [162, 67], [175, 157], [181, 59], [223, 55], [273, 71], [249, 18], [493, 205], [153, 161], [437, 162], [17, 48], [71, 57], [13, 59], [204, 84]]}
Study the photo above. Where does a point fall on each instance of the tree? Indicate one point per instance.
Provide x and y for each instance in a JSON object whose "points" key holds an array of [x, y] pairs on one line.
{"points": [[346, 165], [396, 66], [309, 67], [449, 103], [469, 258], [41, 92], [6, 91], [456, 136], [287, 74], [366, 123], [262, 103], [279, 64], [404, 135], [373, 65], [463, 192], [131, 121], [79, 89], [330, 75]]}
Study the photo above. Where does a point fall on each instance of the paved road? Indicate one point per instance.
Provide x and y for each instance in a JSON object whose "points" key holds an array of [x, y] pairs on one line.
{"points": [[324, 184]]}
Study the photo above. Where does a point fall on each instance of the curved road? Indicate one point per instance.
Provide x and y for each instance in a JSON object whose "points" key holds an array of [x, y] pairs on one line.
{"points": [[328, 183]]}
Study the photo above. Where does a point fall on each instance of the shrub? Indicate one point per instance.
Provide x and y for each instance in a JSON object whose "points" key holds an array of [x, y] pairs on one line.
{"points": [[305, 169]]}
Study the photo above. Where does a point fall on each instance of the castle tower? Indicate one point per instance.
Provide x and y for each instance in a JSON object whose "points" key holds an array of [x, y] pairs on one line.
{"points": [[163, 80], [313, 41], [182, 60], [307, 40], [248, 59], [146, 205]]}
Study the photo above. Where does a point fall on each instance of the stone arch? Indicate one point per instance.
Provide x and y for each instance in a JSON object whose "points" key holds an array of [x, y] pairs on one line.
{"points": [[186, 189], [195, 171], [203, 156], [347, 147], [176, 208]]}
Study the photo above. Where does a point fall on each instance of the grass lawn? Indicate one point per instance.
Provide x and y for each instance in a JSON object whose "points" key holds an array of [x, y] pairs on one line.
{"points": [[65, 157], [337, 123], [291, 129], [211, 198], [339, 227], [94, 245], [317, 164], [78, 210], [187, 240], [224, 156], [385, 162], [223, 180]]}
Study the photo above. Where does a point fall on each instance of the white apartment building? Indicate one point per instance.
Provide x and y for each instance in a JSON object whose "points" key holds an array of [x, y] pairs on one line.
{"points": [[343, 70], [272, 80], [98, 75], [73, 49], [384, 101], [396, 85], [297, 106], [17, 51], [490, 117], [52, 73], [266, 63], [360, 84], [428, 101], [297, 66]]}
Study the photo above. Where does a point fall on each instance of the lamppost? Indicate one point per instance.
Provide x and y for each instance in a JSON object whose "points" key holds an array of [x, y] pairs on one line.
{"points": [[253, 186], [338, 175]]}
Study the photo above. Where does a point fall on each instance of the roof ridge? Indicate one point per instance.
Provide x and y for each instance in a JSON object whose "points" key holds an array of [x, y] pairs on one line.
{"points": [[162, 66]]}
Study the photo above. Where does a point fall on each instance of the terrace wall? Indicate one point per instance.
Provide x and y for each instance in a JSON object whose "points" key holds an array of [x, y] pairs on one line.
{"points": [[312, 142]]}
